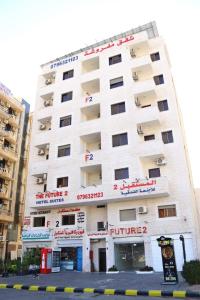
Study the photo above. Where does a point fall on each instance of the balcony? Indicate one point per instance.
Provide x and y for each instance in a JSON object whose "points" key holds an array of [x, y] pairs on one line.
{"points": [[143, 86], [5, 216], [44, 124], [4, 192], [151, 149], [145, 99], [91, 175], [141, 63], [5, 173], [10, 135], [148, 116], [91, 112], [8, 153], [48, 79], [47, 100], [90, 100], [90, 65], [90, 87]]}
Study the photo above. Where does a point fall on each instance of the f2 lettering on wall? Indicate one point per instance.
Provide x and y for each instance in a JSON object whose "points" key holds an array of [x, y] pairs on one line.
{"points": [[57, 223]]}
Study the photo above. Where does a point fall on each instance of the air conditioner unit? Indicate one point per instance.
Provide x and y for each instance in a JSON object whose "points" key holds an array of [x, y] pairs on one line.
{"points": [[139, 130], [132, 53], [48, 81], [41, 152], [47, 102], [142, 210], [42, 126], [137, 102], [135, 76], [39, 180], [161, 161]]}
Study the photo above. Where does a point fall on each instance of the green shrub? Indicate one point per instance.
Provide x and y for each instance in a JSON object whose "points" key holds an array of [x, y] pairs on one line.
{"points": [[146, 269], [113, 268], [191, 272]]}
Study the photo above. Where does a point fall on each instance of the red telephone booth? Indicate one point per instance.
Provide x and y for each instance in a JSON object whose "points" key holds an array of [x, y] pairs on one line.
{"points": [[46, 260]]}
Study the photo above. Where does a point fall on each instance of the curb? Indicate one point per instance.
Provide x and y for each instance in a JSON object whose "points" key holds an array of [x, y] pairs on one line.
{"points": [[150, 293]]}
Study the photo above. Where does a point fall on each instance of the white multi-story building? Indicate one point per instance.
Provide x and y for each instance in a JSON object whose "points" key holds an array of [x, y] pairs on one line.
{"points": [[108, 171]]}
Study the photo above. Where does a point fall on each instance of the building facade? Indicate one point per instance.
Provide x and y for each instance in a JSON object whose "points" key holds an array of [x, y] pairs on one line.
{"points": [[109, 172], [13, 125]]}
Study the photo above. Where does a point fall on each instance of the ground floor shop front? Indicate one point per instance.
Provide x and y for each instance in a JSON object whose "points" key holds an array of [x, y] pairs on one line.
{"points": [[100, 251]]}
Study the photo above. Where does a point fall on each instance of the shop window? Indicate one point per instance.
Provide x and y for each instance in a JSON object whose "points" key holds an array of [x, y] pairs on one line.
{"points": [[163, 105], [116, 82], [118, 108], [38, 221], [149, 137], [127, 215], [100, 226], [115, 59], [68, 74], [68, 220], [167, 137], [155, 56], [66, 121], [120, 139], [159, 79], [66, 96], [167, 211], [153, 173], [121, 173], [64, 150], [62, 182]]}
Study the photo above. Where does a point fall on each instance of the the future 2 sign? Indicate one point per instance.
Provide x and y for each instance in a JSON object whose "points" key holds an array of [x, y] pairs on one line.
{"points": [[168, 259]]}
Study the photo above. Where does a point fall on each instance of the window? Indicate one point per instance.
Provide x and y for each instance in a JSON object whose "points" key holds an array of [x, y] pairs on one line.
{"points": [[62, 182], [68, 74], [149, 137], [167, 137], [100, 226], [163, 105], [1, 228], [115, 59], [66, 121], [155, 56], [118, 108], [167, 211], [127, 215], [159, 79], [153, 173], [64, 150], [119, 139], [68, 220], [121, 173], [66, 97], [38, 221], [116, 82]]}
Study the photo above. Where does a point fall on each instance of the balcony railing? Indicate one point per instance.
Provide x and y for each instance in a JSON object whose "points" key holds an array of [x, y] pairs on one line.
{"points": [[8, 152], [3, 192], [9, 134], [5, 173]]}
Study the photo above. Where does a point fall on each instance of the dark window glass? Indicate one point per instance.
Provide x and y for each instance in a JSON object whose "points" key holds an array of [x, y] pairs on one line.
{"points": [[68, 74], [38, 221], [167, 211], [115, 59], [127, 214], [62, 182], [100, 226], [159, 79], [118, 108], [66, 97], [65, 121], [155, 56], [119, 139], [153, 173], [64, 150], [68, 220], [149, 137], [121, 173], [163, 105], [167, 137], [116, 82]]}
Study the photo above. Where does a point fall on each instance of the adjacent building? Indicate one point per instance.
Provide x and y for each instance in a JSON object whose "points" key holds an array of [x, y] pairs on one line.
{"points": [[109, 172], [14, 116]]}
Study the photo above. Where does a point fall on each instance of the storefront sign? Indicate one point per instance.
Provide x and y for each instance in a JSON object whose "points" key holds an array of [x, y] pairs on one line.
{"points": [[68, 234], [36, 235], [168, 259], [40, 212], [27, 221], [97, 234], [64, 62], [109, 45], [127, 231], [80, 217], [51, 198], [89, 196], [136, 187], [62, 210]]}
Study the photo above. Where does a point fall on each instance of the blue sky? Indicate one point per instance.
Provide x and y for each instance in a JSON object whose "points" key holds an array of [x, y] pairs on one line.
{"points": [[36, 31]]}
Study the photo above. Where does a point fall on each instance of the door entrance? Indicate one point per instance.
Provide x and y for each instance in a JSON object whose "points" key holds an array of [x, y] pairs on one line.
{"points": [[102, 259], [129, 257]]}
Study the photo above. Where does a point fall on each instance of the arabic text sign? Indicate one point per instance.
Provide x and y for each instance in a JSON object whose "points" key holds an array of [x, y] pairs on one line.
{"points": [[136, 187], [109, 45], [36, 235], [68, 234]]}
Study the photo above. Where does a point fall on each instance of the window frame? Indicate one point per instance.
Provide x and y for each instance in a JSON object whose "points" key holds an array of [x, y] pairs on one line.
{"points": [[113, 59], [119, 106], [65, 94], [166, 213], [68, 216], [68, 146], [65, 118], [62, 178], [128, 209], [163, 105], [155, 56], [166, 137], [153, 169], [159, 79], [117, 83], [126, 169], [119, 139], [101, 228], [148, 138], [65, 76], [37, 218]]}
